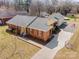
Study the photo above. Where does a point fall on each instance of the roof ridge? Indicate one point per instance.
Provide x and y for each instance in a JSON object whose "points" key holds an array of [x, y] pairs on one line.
{"points": [[31, 22]]}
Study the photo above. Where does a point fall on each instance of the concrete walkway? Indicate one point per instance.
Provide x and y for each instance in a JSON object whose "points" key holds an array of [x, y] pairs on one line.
{"points": [[57, 43], [32, 42]]}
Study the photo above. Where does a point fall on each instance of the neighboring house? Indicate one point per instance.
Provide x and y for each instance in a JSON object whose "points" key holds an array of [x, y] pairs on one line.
{"points": [[58, 17], [40, 28], [5, 15], [4, 19]]}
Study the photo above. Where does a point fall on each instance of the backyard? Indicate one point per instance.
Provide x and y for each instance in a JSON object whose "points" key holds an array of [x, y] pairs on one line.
{"points": [[12, 47]]}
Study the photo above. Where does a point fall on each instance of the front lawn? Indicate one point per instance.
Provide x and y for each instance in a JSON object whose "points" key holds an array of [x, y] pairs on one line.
{"points": [[67, 54], [12, 47]]}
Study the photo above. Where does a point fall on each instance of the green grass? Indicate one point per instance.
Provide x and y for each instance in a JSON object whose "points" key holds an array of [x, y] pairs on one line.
{"points": [[13, 48], [71, 17]]}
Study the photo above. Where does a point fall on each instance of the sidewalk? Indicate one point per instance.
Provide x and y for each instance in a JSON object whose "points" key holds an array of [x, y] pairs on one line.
{"points": [[57, 43], [31, 42]]}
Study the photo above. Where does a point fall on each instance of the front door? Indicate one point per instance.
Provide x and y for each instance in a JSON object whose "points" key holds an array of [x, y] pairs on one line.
{"points": [[23, 31]]}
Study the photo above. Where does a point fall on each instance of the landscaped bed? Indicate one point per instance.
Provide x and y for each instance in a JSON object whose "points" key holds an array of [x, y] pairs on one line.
{"points": [[12, 47]]}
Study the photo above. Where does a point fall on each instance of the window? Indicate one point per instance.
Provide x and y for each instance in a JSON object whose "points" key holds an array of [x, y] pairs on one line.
{"points": [[30, 30], [51, 32], [39, 33]]}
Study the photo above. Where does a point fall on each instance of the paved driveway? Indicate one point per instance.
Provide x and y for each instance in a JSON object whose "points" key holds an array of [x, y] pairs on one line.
{"points": [[57, 43]]}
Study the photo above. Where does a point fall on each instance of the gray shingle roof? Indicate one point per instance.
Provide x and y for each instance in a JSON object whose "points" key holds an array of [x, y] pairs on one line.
{"points": [[40, 24], [57, 16], [22, 21]]}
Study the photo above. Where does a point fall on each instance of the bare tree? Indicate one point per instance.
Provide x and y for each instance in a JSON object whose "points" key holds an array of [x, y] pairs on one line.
{"points": [[65, 7], [51, 6], [22, 5], [36, 7]]}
